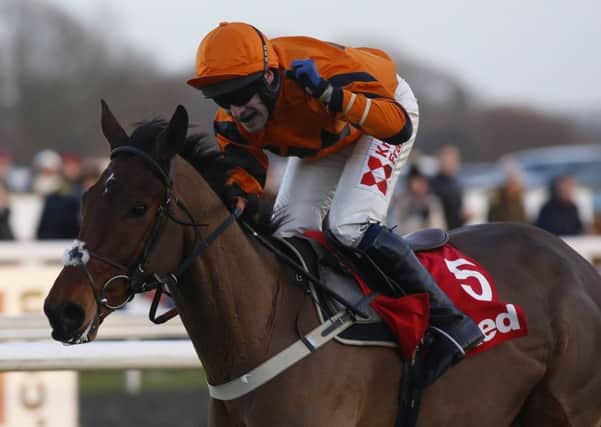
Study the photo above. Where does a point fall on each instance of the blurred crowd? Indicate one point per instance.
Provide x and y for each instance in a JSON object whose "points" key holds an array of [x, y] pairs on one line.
{"points": [[422, 199], [58, 181], [438, 201]]}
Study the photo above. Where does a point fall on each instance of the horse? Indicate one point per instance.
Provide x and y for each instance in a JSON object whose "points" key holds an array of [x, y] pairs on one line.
{"points": [[150, 210]]}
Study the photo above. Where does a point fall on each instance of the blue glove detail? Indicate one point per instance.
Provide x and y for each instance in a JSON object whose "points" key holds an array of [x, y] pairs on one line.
{"points": [[307, 76]]}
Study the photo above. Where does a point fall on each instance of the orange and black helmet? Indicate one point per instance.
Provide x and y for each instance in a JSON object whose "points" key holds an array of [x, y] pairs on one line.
{"points": [[230, 57]]}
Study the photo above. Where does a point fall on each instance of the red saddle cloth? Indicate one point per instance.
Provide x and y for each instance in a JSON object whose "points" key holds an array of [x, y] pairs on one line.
{"points": [[467, 284]]}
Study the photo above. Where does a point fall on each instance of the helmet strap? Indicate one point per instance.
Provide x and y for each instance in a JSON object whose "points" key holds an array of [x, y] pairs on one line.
{"points": [[264, 49], [269, 92]]}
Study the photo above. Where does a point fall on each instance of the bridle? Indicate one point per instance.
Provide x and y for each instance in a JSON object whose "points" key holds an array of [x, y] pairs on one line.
{"points": [[137, 279]]}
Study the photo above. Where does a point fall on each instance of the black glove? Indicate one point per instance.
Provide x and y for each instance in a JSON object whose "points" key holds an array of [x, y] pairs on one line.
{"points": [[307, 76], [234, 197]]}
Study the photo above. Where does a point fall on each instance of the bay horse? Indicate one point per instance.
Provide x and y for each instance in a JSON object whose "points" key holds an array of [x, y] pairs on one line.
{"points": [[239, 306]]}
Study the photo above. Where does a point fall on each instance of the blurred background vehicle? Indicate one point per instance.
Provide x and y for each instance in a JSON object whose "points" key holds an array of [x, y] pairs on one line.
{"points": [[540, 165]]}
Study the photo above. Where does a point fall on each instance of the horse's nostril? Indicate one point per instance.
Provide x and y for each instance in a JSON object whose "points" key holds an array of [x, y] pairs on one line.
{"points": [[73, 316], [65, 319]]}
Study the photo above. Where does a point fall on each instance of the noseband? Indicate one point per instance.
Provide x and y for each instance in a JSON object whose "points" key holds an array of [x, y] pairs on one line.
{"points": [[135, 275]]}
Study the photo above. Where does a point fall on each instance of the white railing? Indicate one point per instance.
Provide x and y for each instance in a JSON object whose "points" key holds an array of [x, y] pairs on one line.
{"points": [[117, 326], [29, 252], [118, 355], [125, 341]]}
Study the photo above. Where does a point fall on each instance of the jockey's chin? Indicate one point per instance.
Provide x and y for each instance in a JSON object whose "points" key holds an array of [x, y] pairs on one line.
{"points": [[253, 116]]}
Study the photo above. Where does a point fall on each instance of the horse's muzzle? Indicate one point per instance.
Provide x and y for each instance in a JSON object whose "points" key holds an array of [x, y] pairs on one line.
{"points": [[65, 319]]}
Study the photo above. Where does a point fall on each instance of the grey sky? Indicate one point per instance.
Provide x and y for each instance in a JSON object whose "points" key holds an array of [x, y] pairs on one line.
{"points": [[540, 53]]}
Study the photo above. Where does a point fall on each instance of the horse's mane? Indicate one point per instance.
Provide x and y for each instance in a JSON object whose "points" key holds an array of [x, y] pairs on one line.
{"points": [[200, 150], [145, 134]]}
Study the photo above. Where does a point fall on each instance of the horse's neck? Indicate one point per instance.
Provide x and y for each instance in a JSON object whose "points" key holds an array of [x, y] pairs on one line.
{"points": [[229, 297]]}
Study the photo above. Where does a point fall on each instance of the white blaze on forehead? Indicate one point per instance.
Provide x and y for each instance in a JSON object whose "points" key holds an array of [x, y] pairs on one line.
{"points": [[108, 181], [77, 254]]}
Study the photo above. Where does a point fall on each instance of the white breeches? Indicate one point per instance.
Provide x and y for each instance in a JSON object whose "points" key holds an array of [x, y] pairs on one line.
{"points": [[354, 185]]}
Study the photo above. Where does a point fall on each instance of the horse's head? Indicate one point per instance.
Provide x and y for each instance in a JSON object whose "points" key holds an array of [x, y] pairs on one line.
{"points": [[126, 235]]}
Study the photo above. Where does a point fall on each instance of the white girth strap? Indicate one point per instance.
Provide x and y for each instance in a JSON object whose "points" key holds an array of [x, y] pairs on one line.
{"points": [[283, 360]]}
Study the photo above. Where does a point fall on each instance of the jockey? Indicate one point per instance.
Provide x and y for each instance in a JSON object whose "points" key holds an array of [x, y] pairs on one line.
{"points": [[348, 122]]}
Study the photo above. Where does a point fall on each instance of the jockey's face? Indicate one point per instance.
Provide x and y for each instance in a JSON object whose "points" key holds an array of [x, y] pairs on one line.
{"points": [[254, 114]]}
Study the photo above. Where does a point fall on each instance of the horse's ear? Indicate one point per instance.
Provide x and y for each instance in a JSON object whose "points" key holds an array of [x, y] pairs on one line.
{"points": [[172, 139], [111, 128]]}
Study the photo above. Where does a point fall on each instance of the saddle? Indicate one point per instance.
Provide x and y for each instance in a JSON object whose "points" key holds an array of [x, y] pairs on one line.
{"points": [[426, 239], [334, 270]]}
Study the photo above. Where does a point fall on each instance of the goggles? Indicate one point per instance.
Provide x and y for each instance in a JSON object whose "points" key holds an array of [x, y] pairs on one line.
{"points": [[238, 97]]}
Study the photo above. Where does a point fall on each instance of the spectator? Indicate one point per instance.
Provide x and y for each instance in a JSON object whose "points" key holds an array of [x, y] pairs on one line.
{"points": [[416, 207], [47, 177], [6, 232], [72, 172], [60, 212], [560, 215], [60, 217], [90, 172], [446, 186], [507, 203]]}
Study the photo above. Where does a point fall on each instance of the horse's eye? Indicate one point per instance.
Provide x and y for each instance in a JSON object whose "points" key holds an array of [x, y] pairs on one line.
{"points": [[139, 210]]}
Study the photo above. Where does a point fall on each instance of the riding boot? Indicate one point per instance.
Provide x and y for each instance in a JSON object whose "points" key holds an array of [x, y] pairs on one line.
{"points": [[455, 333]]}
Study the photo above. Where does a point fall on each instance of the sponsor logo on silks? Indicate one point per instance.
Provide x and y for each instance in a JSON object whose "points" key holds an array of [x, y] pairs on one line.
{"points": [[378, 167]]}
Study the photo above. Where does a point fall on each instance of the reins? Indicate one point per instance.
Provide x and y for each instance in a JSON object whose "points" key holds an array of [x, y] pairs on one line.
{"points": [[173, 278]]}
